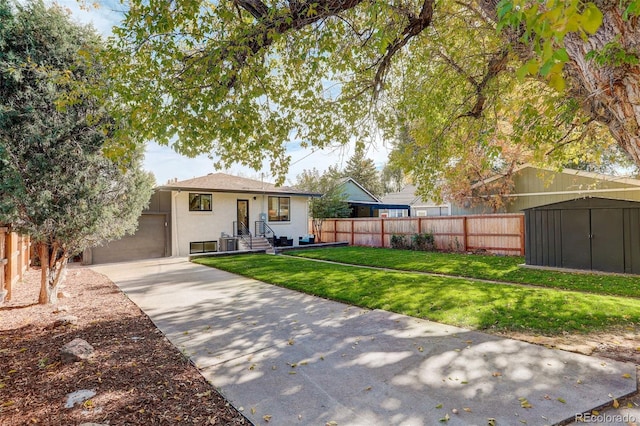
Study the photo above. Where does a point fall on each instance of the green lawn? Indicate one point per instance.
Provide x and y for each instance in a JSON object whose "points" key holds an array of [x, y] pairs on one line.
{"points": [[498, 268], [454, 301]]}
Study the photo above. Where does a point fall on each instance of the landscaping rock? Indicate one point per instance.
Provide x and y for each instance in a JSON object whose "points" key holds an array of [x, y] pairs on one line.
{"points": [[65, 320], [78, 397], [76, 350], [61, 308]]}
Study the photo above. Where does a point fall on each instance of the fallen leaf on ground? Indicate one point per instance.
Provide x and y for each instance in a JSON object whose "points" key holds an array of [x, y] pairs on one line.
{"points": [[524, 403]]}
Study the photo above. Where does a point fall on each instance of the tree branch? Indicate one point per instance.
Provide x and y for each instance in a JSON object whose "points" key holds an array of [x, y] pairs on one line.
{"points": [[416, 26], [497, 64], [258, 9], [270, 23], [562, 142]]}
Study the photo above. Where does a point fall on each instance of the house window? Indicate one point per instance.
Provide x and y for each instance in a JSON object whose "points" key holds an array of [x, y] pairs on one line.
{"points": [[199, 202], [279, 209], [397, 213]]}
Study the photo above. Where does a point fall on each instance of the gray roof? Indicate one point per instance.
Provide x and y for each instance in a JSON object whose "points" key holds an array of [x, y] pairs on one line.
{"points": [[222, 182]]}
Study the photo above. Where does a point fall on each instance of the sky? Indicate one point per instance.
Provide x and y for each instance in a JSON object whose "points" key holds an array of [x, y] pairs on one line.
{"points": [[166, 164]]}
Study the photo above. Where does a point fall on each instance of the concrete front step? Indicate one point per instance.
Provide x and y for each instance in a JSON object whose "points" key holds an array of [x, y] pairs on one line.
{"points": [[257, 243]]}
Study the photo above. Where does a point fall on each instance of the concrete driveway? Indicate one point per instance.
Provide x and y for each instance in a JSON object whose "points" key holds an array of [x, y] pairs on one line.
{"points": [[304, 360]]}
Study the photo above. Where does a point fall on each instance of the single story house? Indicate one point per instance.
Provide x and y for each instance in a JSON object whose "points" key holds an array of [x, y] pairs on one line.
{"points": [[417, 205], [216, 212], [362, 202]]}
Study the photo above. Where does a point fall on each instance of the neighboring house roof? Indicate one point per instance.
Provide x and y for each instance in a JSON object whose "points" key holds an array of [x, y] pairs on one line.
{"points": [[222, 182], [408, 196], [356, 192]]}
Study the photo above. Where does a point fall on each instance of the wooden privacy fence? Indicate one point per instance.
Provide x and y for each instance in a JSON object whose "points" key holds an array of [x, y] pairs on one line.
{"points": [[495, 233], [14, 258]]}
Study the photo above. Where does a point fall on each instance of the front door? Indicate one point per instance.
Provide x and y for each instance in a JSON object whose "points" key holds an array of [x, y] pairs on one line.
{"points": [[243, 217]]}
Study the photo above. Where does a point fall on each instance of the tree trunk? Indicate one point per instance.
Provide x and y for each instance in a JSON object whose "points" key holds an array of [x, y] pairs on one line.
{"points": [[317, 228], [53, 262], [609, 93]]}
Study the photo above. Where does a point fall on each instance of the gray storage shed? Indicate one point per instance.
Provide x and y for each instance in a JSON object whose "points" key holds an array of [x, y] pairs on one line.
{"points": [[589, 233]]}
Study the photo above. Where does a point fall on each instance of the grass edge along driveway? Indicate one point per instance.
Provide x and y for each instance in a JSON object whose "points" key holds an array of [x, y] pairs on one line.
{"points": [[455, 301], [494, 268]]}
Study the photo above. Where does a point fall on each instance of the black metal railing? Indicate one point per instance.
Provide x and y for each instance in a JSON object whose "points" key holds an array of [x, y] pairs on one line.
{"points": [[241, 231], [264, 230]]}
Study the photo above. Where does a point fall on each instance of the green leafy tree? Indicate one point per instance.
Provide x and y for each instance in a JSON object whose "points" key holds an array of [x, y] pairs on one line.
{"points": [[332, 204], [465, 79], [55, 182], [363, 170], [314, 181]]}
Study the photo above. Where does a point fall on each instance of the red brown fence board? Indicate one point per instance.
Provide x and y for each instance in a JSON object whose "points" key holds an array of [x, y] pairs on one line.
{"points": [[14, 258]]}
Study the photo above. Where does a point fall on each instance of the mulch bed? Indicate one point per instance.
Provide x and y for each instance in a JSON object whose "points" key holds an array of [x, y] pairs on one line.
{"points": [[138, 376]]}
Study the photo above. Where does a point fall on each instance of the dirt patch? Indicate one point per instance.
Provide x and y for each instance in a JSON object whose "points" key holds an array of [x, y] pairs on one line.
{"points": [[621, 344], [138, 377]]}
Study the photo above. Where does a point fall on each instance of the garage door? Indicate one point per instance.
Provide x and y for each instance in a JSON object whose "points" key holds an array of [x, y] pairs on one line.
{"points": [[148, 242]]}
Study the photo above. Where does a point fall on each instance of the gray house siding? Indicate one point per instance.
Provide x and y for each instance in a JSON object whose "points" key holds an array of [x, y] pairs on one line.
{"points": [[537, 187], [152, 239]]}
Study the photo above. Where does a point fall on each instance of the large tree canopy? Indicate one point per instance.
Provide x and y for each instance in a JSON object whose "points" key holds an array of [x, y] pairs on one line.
{"points": [[465, 87], [55, 182]]}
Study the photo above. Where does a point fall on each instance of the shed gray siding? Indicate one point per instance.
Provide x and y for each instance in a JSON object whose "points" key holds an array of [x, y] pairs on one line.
{"points": [[592, 233]]}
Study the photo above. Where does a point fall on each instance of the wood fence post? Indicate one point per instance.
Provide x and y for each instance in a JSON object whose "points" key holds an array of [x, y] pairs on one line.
{"points": [[382, 232], [465, 231], [353, 234], [522, 248], [4, 262], [9, 268]]}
